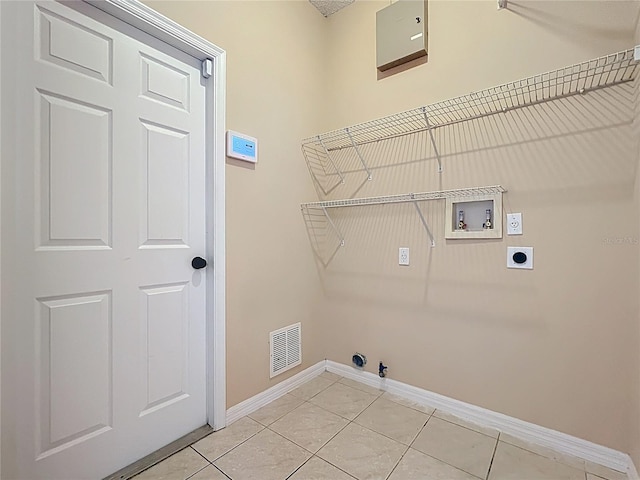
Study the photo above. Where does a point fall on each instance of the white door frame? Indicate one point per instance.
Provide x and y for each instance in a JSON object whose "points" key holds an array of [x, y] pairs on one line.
{"points": [[144, 18]]}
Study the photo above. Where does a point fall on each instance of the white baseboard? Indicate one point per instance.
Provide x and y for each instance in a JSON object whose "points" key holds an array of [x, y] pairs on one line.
{"points": [[632, 473], [261, 399], [529, 432]]}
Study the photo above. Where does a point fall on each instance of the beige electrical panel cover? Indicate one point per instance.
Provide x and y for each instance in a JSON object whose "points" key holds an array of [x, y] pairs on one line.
{"points": [[401, 33]]}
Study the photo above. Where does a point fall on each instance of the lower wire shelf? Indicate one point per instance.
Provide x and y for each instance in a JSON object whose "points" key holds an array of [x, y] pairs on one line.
{"points": [[402, 198]]}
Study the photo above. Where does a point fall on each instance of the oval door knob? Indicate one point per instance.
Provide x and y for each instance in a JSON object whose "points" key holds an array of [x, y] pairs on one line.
{"points": [[198, 263]]}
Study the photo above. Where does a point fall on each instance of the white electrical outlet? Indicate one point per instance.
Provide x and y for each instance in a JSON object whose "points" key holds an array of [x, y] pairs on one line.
{"points": [[403, 256], [514, 224]]}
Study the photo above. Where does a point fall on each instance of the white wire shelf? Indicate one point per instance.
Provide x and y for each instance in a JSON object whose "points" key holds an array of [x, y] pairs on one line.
{"points": [[403, 198], [406, 197], [575, 79]]}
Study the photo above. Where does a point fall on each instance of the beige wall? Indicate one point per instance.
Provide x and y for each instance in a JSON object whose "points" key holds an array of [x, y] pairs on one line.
{"points": [[472, 46], [635, 420], [554, 346], [275, 78]]}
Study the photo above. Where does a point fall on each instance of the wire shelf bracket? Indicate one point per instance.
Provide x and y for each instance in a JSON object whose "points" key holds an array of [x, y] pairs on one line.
{"points": [[355, 147], [333, 225], [326, 151], [433, 140], [424, 222], [413, 198]]}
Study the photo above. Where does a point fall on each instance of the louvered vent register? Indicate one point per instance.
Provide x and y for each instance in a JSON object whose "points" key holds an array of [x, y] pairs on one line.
{"points": [[285, 348]]}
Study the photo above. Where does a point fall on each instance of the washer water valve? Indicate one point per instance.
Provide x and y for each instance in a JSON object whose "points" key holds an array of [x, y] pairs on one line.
{"points": [[461, 224], [487, 223], [381, 370]]}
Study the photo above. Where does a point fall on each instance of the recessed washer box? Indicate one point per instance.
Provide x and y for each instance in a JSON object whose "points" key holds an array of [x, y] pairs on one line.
{"points": [[401, 33], [242, 147]]}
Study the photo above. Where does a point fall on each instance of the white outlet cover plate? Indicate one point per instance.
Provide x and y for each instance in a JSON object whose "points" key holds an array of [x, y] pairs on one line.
{"points": [[513, 251], [514, 224], [403, 256]]}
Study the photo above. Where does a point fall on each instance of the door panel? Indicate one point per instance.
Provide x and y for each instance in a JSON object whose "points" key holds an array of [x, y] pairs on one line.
{"points": [[72, 170], [165, 333], [165, 83], [165, 164], [70, 45], [75, 398], [104, 340]]}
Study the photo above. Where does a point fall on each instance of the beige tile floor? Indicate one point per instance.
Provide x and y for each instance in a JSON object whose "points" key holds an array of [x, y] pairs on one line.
{"points": [[333, 428]]}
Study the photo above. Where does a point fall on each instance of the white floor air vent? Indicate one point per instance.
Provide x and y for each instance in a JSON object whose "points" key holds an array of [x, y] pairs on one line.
{"points": [[285, 348]]}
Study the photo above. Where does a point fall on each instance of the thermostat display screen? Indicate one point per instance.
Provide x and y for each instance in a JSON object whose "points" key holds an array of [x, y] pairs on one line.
{"points": [[244, 147]]}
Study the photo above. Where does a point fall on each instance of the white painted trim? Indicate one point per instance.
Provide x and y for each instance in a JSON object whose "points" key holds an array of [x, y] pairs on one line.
{"points": [[632, 473], [0, 229], [273, 393], [558, 441], [149, 21], [217, 338], [145, 18]]}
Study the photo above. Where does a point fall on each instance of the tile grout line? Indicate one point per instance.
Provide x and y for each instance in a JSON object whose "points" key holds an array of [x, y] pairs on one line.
{"points": [[206, 466], [312, 396], [385, 435], [312, 404], [334, 436], [493, 456], [265, 426], [398, 462], [436, 458], [468, 428], [197, 452], [447, 463], [369, 388], [551, 458], [274, 432], [403, 405], [233, 448], [342, 416], [349, 422], [322, 460], [299, 467]]}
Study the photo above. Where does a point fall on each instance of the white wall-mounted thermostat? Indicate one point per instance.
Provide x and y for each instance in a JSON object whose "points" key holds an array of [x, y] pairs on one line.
{"points": [[242, 147]]}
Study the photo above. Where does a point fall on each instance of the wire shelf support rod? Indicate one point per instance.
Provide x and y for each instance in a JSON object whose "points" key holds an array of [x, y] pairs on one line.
{"points": [[331, 159], [433, 140], [355, 147]]}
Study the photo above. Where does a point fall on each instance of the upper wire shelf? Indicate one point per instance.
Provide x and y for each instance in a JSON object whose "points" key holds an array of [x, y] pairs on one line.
{"points": [[575, 79]]}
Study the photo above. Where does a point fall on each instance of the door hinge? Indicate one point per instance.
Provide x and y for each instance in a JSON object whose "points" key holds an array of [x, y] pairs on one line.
{"points": [[207, 68]]}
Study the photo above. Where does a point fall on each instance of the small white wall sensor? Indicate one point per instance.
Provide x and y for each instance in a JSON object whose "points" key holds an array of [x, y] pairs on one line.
{"points": [[242, 147], [207, 68]]}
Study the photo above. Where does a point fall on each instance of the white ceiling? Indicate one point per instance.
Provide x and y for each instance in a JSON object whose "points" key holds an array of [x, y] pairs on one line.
{"points": [[328, 7]]}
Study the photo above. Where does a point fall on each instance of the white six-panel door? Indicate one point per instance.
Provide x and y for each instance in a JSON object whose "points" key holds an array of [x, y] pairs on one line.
{"points": [[104, 318]]}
